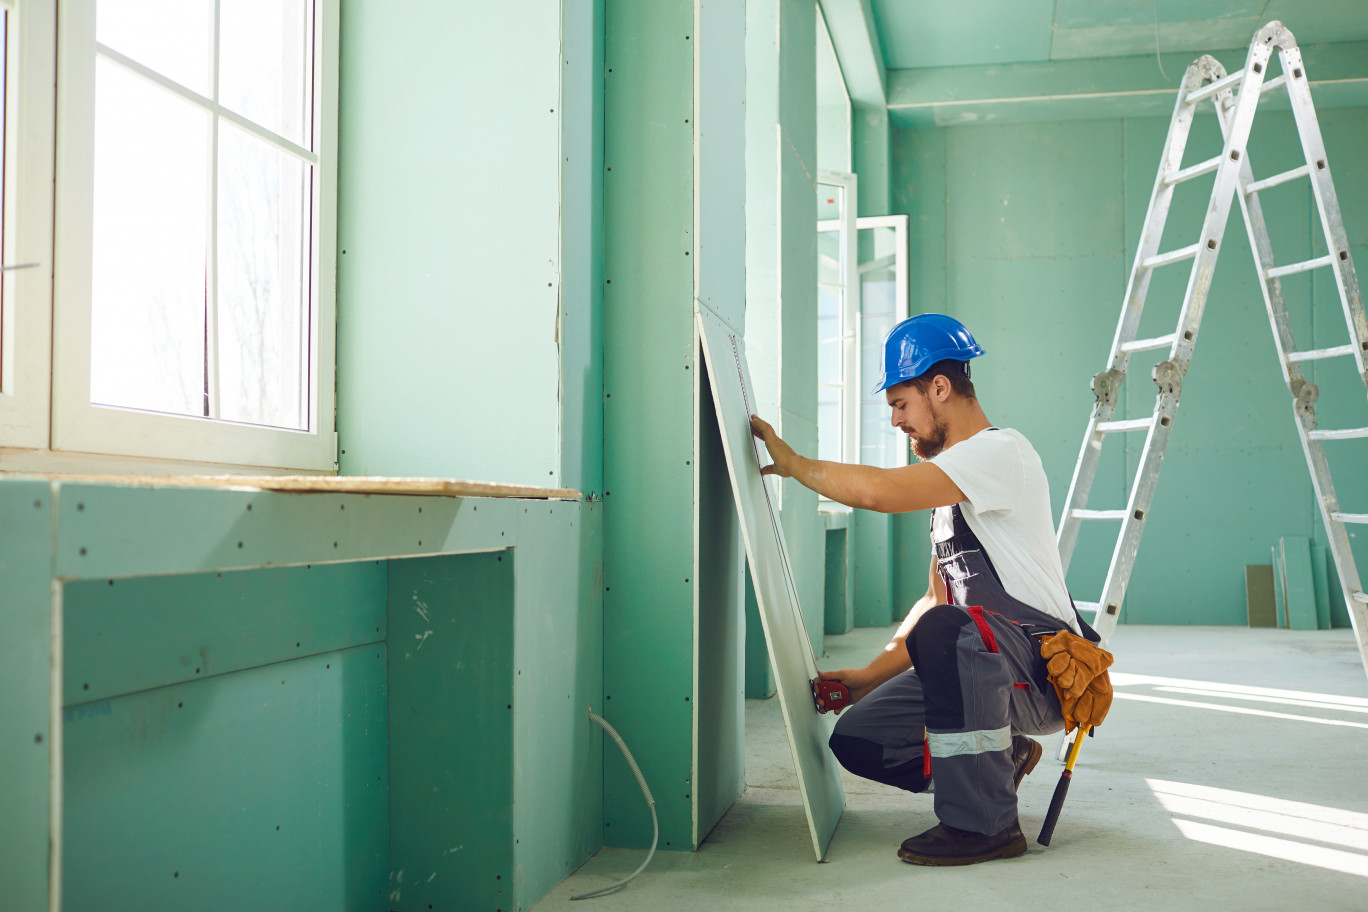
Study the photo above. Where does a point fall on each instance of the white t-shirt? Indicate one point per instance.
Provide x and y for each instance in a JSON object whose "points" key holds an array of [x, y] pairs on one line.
{"points": [[1007, 505]]}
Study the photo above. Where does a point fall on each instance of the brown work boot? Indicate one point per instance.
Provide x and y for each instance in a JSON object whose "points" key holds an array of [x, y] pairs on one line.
{"points": [[944, 845], [1025, 755]]}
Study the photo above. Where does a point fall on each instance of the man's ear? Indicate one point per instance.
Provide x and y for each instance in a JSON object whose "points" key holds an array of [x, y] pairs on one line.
{"points": [[942, 387]]}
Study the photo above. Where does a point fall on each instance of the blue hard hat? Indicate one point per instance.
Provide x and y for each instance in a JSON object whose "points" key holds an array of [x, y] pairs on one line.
{"points": [[911, 347]]}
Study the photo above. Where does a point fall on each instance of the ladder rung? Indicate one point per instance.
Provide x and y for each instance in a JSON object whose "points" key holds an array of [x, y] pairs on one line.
{"points": [[1208, 90], [1317, 263], [1317, 354], [1196, 170], [1139, 345], [1130, 424], [1361, 597], [1275, 180], [1098, 514], [1273, 83], [1087, 606], [1360, 518], [1173, 256], [1346, 434]]}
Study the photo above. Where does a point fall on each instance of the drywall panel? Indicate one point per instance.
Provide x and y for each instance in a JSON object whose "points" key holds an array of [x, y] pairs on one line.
{"points": [[649, 348], [934, 35], [818, 773], [107, 532], [135, 634], [839, 613], [719, 637], [1047, 284], [1234, 479], [449, 221], [260, 789], [557, 675], [804, 532], [917, 187], [1007, 183], [720, 153], [26, 681], [451, 718], [870, 142], [581, 237], [871, 564], [759, 675]]}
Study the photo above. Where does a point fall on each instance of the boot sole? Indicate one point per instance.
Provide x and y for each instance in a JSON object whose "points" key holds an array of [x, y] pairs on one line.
{"points": [[1010, 850], [1031, 760]]}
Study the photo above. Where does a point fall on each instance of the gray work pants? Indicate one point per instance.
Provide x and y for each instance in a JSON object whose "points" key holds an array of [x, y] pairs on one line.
{"points": [[977, 679]]}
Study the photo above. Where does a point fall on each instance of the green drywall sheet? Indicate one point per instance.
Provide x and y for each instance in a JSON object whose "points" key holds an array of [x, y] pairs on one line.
{"points": [[781, 251], [870, 141], [451, 719], [648, 360], [871, 560], [261, 789], [719, 248], [804, 532], [26, 663], [580, 333], [788, 642], [759, 675], [1320, 577], [764, 141], [911, 556], [449, 221], [720, 638], [1041, 222], [797, 347], [1298, 582], [840, 615], [557, 676], [122, 636]]}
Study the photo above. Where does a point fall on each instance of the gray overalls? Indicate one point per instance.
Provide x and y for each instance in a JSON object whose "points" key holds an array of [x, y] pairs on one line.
{"points": [[977, 677]]}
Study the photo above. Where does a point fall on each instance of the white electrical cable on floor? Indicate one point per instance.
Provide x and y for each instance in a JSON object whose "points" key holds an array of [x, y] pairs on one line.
{"points": [[650, 802]]}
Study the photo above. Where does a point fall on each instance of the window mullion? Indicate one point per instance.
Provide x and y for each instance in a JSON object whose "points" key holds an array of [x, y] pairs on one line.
{"points": [[211, 291]]}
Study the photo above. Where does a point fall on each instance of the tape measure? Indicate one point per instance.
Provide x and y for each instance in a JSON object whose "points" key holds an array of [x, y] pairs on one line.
{"points": [[834, 694]]}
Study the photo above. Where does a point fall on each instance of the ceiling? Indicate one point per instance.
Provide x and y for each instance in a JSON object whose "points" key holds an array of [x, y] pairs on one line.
{"points": [[948, 33]]}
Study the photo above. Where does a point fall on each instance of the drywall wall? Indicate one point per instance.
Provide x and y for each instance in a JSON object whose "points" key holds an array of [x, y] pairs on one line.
{"points": [[449, 240], [1026, 232]]}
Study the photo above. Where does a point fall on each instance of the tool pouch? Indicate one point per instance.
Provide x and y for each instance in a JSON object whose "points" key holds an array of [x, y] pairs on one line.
{"points": [[1078, 671]]}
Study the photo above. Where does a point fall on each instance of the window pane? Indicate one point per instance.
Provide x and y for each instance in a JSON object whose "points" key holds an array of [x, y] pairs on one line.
{"points": [[4, 182], [263, 261], [149, 265], [173, 37], [266, 64]]}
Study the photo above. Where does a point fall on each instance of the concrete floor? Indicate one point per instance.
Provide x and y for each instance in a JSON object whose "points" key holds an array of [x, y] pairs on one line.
{"points": [[1230, 774]]}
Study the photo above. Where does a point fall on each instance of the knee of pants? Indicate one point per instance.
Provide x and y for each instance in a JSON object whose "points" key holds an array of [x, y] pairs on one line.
{"points": [[932, 641], [864, 758]]}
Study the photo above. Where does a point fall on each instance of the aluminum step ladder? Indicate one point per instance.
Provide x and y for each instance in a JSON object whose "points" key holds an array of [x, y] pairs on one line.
{"points": [[1236, 99]]}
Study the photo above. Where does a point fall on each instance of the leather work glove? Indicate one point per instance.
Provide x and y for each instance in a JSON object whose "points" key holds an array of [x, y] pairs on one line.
{"points": [[1078, 670]]}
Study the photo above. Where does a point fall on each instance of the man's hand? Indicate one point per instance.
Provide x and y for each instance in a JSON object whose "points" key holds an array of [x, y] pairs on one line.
{"points": [[780, 453], [857, 680]]}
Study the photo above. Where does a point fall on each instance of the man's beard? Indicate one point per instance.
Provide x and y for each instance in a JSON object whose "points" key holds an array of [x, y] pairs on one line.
{"points": [[930, 446]]}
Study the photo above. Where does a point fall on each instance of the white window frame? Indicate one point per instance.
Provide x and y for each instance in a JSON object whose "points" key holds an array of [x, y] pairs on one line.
{"points": [[30, 62], [847, 224], [82, 427], [901, 306]]}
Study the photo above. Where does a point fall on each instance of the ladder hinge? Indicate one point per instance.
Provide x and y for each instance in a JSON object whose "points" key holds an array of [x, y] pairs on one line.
{"points": [[1305, 392], [1106, 385], [1168, 376]]}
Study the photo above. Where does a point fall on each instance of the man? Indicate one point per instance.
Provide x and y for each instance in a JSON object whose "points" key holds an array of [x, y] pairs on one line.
{"points": [[954, 694]]}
